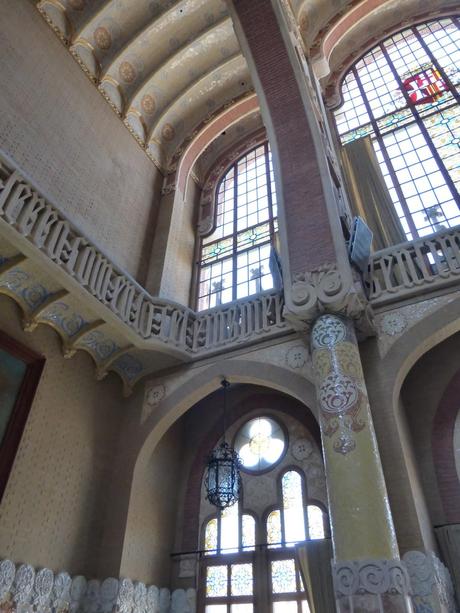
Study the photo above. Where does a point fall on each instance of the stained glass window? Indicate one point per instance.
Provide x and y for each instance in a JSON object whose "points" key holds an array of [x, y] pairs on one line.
{"points": [[405, 95], [293, 508], [283, 576], [248, 532], [315, 522], [210, 537], [216, 581], [222, 533], [235, 258], [260, 443], [241, 580], [229, 534], [274, 534]]}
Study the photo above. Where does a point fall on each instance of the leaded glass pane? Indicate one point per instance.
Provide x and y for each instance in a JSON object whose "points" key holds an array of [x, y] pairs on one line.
{"points": [[249, 532], [315, 522], [216, 581], [260, 443], [274, 535], [400, 95], [241, 580], [293, 509], [229, 537], [283, 576], [245, 213], [210, 537]]}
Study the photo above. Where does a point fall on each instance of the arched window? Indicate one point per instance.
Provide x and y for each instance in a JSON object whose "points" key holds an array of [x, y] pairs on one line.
{"points": [[234, 259], [230, 532], [249, 566], [404, 95], [294, 521]]}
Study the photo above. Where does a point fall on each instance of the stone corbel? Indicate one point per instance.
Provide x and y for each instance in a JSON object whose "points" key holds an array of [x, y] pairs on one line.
{"points": [[328, 289]]}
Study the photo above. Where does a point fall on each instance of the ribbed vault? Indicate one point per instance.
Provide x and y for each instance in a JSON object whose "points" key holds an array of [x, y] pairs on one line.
{"points": [[165, 66]]}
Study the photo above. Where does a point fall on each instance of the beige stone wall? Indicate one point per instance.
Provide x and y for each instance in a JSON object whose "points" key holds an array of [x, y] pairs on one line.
{"points": [[54, 507], [172, 260], [149, 536], [64, 136], [421, 393]]}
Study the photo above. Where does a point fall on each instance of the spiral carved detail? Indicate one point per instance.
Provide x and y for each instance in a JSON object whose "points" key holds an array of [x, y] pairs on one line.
{"points": [[370, 577]]}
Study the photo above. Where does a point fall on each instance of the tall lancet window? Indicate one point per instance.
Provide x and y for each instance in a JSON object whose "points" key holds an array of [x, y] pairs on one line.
{"points": [[234, 260], [403, 98]]}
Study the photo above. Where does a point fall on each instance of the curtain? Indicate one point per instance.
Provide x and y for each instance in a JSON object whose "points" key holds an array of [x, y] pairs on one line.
{"points": [[369, 195], [314, 559]]}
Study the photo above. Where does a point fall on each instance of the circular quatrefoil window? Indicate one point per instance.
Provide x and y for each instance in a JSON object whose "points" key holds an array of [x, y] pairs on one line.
{"points": [[261, 443]]}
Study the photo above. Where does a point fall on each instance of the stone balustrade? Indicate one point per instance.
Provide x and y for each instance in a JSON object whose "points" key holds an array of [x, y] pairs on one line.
{"points": [[403, 271], [156, 323], [23, 589]]}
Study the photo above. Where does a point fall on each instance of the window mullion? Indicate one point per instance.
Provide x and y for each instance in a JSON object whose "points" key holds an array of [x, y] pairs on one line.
{"points": [[269, 194], [413, 107], [386, 157], [235, 229]]}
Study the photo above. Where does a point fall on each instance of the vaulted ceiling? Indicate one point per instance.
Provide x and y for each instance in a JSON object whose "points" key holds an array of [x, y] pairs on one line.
{"points": [[168, 66], [165, 66]]}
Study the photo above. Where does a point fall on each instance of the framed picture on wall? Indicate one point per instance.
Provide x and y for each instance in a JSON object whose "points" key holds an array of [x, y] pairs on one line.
{"points": [[20, 371]]}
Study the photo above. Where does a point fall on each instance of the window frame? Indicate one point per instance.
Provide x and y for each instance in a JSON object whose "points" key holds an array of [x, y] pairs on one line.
{"points": [[235, 252], [417, 119], [21, 408]]}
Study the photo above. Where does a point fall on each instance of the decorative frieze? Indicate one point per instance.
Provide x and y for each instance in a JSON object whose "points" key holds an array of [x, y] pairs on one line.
{"points": [[432, 589], [371, 585], [24, 590], [370, 577]]}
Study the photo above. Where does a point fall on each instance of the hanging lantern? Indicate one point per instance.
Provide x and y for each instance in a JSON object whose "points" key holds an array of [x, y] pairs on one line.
{"points": [[223, 470]]}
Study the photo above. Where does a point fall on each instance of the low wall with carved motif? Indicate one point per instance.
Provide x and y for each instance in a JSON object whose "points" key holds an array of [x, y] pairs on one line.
{"points": [[24, 589]]}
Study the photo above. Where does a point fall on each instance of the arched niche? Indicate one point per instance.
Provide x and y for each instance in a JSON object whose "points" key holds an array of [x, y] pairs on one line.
{"points": [[138, 466], [385, 377]]}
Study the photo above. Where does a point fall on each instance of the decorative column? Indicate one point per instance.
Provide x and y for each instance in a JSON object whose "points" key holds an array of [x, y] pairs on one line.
{"points": [[367, 572]]}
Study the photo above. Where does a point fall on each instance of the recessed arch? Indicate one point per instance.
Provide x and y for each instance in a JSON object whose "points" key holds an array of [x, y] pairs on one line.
{"points": [[350, 36]]}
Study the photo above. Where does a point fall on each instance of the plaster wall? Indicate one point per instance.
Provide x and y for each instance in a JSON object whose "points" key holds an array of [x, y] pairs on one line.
{"points": [[457, 443], [422, 393], [172, 258], [66, 139], [149, 537], [53, 510]]}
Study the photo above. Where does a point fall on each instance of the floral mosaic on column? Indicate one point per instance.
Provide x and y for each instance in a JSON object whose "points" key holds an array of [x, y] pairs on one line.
{"points": [[341, 389]]}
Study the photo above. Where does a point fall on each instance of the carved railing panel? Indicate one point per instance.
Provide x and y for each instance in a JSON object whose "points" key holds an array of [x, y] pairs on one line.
{"points": [[157, 323], [403, 271]]}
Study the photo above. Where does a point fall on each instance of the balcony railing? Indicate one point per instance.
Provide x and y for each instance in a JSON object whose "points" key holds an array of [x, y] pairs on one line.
{"points": [[157, 321], [403, 271]]}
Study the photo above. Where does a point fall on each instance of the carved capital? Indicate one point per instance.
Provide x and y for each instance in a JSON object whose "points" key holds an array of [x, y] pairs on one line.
{"points": [[204, 226], [328, 289], [358, 577]]}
